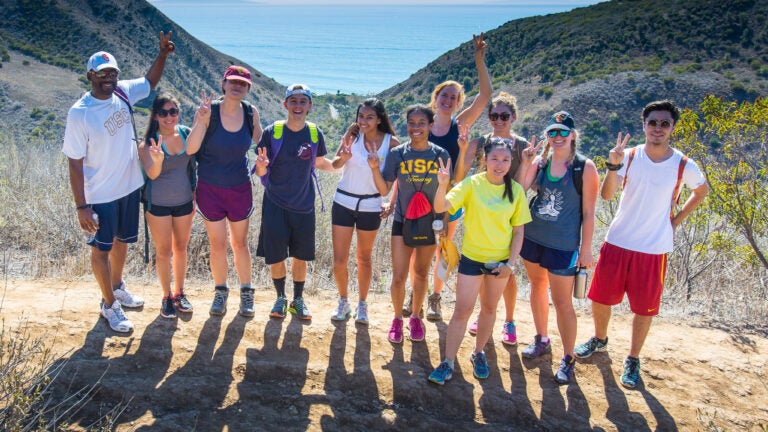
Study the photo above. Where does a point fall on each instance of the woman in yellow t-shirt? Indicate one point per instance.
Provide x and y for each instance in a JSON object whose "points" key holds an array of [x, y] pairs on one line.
{"points": [[496, 210]]}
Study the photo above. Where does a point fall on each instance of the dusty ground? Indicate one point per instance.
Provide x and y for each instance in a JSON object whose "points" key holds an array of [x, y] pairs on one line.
{"points": [[211, 374]]}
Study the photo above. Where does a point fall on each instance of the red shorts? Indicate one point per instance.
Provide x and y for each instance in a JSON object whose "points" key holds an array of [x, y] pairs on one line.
{"points": [[215, 203], [638, 274]]}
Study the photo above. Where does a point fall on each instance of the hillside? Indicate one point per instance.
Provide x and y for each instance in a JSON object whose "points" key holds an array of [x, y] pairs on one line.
{"points": [[604, 62], [44, 46]]}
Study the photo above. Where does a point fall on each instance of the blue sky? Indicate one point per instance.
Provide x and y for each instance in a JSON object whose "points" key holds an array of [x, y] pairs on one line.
{"points": [[574, 3]]}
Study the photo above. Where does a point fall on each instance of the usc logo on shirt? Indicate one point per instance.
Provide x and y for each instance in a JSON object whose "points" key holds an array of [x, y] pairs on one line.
{"points": [[418, 166]]}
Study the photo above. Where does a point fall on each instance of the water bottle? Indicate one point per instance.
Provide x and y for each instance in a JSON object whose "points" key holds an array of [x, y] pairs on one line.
{"points": [[580, 283], [90, 236], [437, 227]]}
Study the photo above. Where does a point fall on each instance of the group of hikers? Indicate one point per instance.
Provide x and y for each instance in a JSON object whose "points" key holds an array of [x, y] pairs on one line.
{"points": [[438, 174]]}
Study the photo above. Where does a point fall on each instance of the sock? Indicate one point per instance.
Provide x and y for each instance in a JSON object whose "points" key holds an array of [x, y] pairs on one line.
{"points": [[245, 286], [544, 339], [279, 286], [450, 362], [222, 287], [298, 289]]}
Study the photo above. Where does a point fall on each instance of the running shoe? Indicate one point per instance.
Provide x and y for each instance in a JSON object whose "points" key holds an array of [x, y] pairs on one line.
{"points": [[300, 309], [509, 333], [116, 318], [395, 334], [126, 298], [537, 348], [479, 365], [343, 311], [361, 315], [441, 374], [590, 347], [246, 302], [166, 308], [181, 303], [417, 329], [219, 305], [280, 308], [565, 373], [434, 308], [631, 376]]}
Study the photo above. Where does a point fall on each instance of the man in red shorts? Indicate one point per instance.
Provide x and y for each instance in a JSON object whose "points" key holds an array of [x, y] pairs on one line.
{"points": [[633, 259]]}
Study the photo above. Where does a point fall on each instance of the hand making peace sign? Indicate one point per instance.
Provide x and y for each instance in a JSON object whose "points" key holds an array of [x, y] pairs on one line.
{"points": [[166, 46], [530, 151], [480, 45], [463, 136], [155, 150], [204, 110], [262, 161], [616, 156], [443, 173]]}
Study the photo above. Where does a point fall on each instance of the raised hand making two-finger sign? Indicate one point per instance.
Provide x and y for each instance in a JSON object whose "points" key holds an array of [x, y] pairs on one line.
{"points": [[531, 150], [156, 151], [204, 110], [617, 153], [443, 173], [262, 160], [166, 46]]}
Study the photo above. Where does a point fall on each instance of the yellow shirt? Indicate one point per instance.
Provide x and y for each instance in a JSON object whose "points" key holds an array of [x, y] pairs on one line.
{"points": [[489, 218]]}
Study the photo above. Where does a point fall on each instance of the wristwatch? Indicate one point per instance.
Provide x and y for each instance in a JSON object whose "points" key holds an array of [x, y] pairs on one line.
{"points": [[511, 266]]}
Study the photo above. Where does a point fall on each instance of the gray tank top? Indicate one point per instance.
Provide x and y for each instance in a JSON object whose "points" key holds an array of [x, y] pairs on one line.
{"points": [[172, 188], [555, 213]]}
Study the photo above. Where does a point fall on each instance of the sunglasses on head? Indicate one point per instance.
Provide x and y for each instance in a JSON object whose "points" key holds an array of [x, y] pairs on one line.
{"points": [[162, 113], [111, 73], [554, 132], [503, 116], [664, 124]]}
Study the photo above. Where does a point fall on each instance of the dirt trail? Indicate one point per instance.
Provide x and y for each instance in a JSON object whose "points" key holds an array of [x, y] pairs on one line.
{"points": [[212, 374]]}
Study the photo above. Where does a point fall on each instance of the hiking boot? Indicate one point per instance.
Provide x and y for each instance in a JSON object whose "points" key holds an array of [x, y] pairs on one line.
{"points": [[126, 298], [246, 302], [219, 305], [417, 329], [408, 306], [537, 348], [473, 328], [300, 309], [631, 376], [434, 309], [509, 333], [591, 346], [181, 303], [564, 374], [280, 308], [343, 311], [442, 374], [479, 365], [166, 308], [395, 334], [116, 318], [361, 315]]}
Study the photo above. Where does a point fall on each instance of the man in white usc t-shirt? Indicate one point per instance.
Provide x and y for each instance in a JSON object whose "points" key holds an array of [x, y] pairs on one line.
{"points": [[633, 259], [105, 172]]}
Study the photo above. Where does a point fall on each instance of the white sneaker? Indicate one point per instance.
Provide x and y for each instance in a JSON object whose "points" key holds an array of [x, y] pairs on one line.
{"points": [[361, 315], [125, 297], [116, 318], [343, 311]]}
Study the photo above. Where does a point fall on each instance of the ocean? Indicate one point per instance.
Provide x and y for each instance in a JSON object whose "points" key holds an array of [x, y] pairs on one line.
{"points": [[342, 48]]}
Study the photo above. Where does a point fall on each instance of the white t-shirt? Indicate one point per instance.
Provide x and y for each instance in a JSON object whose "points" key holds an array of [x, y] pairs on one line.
{"points": [[642, 221], [356, 177], [100, 132]]}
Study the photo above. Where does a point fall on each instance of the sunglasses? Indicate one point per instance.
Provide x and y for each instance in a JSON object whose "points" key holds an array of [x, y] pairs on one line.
{"points": [[173, 112], [503, 116], [664, 124], [554, 132], [106, 73]]}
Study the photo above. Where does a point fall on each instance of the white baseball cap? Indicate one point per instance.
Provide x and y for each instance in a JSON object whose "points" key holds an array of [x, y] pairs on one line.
{"points": [[101, 60]]}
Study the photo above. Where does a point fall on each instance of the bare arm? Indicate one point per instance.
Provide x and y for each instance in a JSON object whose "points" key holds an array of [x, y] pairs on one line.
{"points": [[473, 112], [590, 185], [151, 156], [77, 183], [200, 124], [326, 165], [612, 179], [440, 204], [691, 203], [156, 70]]}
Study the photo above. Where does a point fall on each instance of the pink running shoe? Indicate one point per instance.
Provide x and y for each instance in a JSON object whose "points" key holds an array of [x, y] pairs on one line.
{"points": [[417, 329], [395, 334], [509, 333], [473, 328]]}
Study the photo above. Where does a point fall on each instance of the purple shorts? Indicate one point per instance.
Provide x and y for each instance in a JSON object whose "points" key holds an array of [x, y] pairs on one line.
{"points": [[215, 203]]}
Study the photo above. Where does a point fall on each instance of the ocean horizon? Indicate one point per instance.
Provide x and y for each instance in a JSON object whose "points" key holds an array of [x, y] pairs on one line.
{"points": [[351, 48]]}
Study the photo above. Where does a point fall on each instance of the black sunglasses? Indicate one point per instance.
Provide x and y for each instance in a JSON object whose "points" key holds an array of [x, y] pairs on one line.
{"points": [[504, 116], [563, 133], [111, 73], [173, 112], [665, 124]]}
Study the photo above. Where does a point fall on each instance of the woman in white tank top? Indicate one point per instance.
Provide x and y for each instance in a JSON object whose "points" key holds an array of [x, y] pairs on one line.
{"points": [[357, 202]]}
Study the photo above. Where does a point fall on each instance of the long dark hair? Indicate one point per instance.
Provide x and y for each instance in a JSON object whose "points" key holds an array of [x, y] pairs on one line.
{"points": [[377, 105], [506, 144], [161, 99]]}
